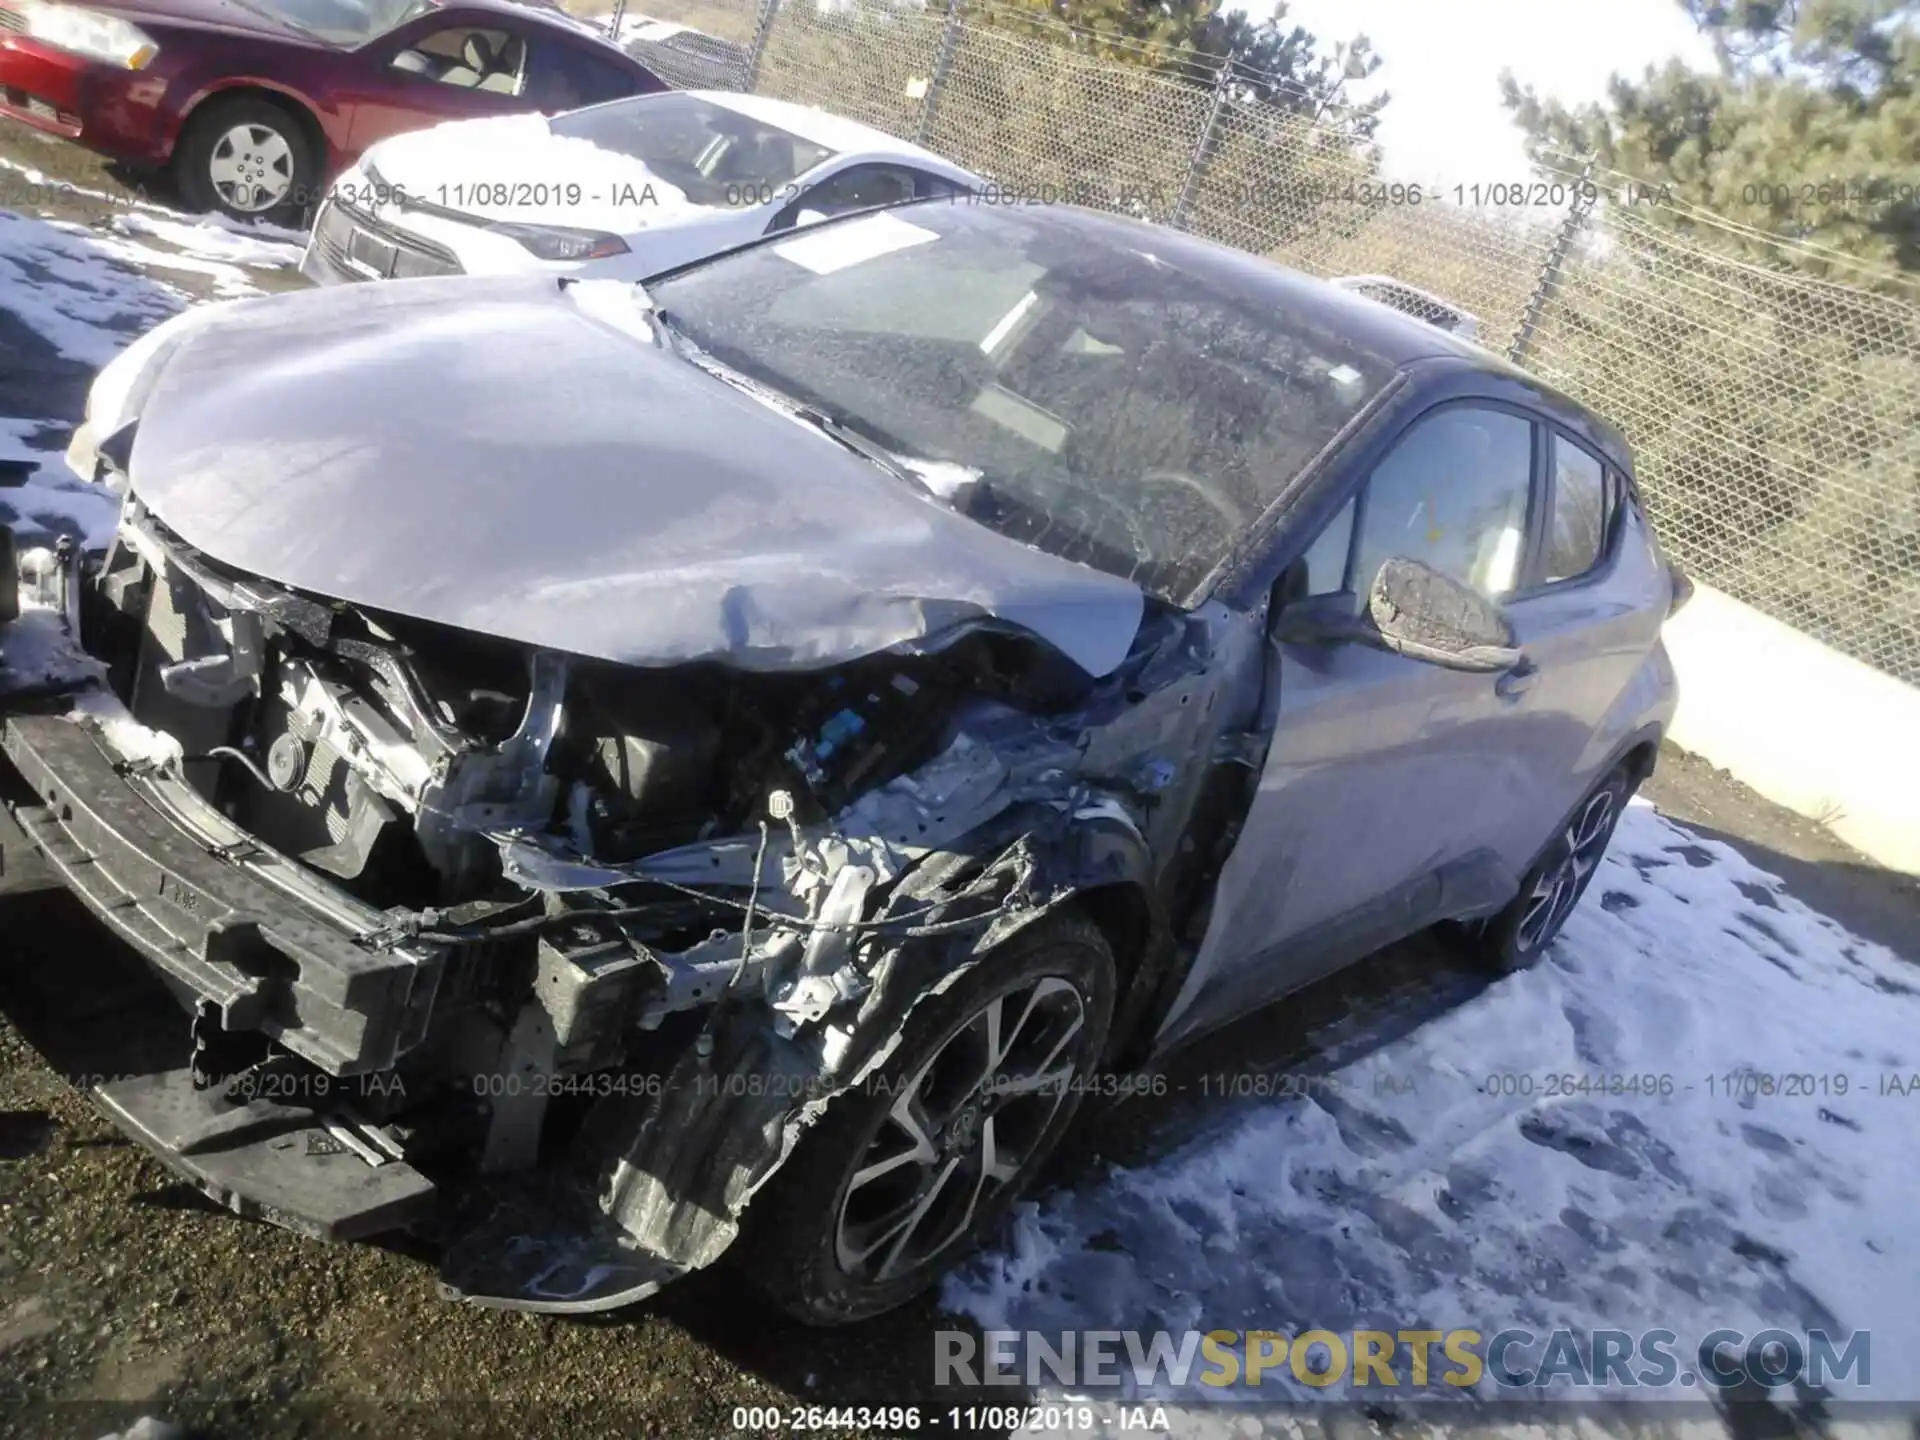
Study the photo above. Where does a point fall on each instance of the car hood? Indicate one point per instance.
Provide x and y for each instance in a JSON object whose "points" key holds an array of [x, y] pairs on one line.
{"points": [[514, 168], [223, 16], [519, 457]]}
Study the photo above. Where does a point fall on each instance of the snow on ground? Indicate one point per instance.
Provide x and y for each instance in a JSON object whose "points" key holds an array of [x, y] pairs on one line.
{"points": [[88, 290], [223, 253], [81, 292], [52, 501], [84, 293], [1423, 1195]]}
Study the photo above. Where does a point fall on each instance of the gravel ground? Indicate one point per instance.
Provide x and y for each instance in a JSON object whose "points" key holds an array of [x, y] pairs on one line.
{"points": [[124, 1287]]}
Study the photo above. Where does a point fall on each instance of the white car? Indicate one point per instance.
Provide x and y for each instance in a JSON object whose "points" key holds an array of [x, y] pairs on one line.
{"points": [[622, 190]]}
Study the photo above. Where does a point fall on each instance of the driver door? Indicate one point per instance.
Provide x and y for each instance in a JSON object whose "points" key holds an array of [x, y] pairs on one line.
{"points": [[1373, 802]]}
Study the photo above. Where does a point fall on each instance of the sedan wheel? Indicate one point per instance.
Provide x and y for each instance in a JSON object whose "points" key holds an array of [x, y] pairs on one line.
{"points": [[251, 169], [247, 158], [905, 1172]]}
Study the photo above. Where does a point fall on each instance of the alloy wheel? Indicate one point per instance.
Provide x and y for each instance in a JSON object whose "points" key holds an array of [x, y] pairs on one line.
{"points": [[960, 1129], [1558, 886], [251, 168]]}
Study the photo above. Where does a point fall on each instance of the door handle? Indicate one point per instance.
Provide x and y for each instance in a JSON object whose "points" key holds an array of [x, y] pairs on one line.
{"points": [[1514, 683]]}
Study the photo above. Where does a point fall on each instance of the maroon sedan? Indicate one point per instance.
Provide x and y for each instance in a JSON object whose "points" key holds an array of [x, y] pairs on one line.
{"points": [[256, 103]]}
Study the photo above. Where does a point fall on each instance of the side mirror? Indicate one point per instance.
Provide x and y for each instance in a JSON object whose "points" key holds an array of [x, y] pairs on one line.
{"points": [[1424, 615]]}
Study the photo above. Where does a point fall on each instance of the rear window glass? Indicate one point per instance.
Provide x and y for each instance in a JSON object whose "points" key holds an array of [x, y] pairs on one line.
{"points": [[1577, 529], [712, 155]]}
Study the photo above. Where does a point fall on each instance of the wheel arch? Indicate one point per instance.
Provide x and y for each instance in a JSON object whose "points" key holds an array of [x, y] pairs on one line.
{"points": [[1636, 754], [297, 106], [1640, 754], [1101, 866]]}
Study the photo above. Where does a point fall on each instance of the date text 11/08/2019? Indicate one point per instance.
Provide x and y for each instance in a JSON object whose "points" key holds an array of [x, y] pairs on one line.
{"points": [[1257, 192], [1723, 1085], [1104, 1084], [1046, 1419], [1146, 196], [1741, 1085]]}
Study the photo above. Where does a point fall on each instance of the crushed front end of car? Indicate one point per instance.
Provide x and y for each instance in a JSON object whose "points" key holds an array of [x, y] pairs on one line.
{"points": [[556, 942]]}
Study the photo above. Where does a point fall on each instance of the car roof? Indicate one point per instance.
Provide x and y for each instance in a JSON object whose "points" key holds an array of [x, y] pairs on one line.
{"points": [[836, 132], [1402, 340], [1394, 336], [1389, 290]]}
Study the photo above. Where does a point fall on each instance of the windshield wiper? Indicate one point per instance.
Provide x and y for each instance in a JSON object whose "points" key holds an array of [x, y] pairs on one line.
{"points": [[825, 421], [671, 337], [837, 430]]}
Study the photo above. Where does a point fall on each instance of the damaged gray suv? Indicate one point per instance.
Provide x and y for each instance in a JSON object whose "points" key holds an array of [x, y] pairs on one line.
{"points": [[632, 774]]}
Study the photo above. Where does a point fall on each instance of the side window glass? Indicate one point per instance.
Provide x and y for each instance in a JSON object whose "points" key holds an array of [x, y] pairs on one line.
{"points": [[565, 78], [1453, 495], [1577, 529], [925, 185], [1327, 557], [469, 58]]}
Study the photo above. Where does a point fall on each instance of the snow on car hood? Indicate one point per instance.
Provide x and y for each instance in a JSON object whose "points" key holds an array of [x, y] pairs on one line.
{"points": [[518, 458], [514, 168]]}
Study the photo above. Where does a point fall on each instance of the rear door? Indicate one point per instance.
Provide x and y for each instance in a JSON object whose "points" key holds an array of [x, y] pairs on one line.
{"points": [[1586, 614]]}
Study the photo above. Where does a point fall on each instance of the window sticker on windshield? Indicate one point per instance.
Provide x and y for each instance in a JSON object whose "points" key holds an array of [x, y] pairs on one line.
{"points": [[1343, 375], [1022, 417], [842, 245]]}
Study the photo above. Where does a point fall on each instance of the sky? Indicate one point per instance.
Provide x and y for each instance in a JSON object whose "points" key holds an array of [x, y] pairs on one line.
{"points": [[1442, 64]]}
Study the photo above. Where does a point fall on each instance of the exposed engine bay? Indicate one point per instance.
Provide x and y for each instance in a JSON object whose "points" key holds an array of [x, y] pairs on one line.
{"points": [[578, 869], [406, 759]]}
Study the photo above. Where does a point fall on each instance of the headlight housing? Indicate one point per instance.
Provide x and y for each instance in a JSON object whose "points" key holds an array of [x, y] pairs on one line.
{"points": [[559, 242], [106, 38]]}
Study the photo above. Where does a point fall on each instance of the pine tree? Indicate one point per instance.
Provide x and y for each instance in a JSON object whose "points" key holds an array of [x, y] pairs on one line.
{"points": [[1809, 129], [1273, 62]]}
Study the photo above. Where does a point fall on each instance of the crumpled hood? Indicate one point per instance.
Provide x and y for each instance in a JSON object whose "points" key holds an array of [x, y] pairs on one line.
{"points": [[520, 459], [514, 168]]}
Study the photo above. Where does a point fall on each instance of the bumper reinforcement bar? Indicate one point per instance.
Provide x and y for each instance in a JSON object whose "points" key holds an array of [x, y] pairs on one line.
{"points": [[268, 962]]}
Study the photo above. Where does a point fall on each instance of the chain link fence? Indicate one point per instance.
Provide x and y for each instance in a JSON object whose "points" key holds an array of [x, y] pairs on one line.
{"points": [[1774, 414], [1771, 391]]}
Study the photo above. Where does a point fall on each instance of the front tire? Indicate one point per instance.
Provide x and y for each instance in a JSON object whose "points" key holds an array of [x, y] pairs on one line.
{"points": [[248, 159], [906, 1172], [1518, 936]]}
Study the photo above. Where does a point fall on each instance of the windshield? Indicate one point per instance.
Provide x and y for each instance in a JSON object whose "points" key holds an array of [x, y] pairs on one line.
{"points": [[714, 155], [1043, 372], [341, 22]]}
